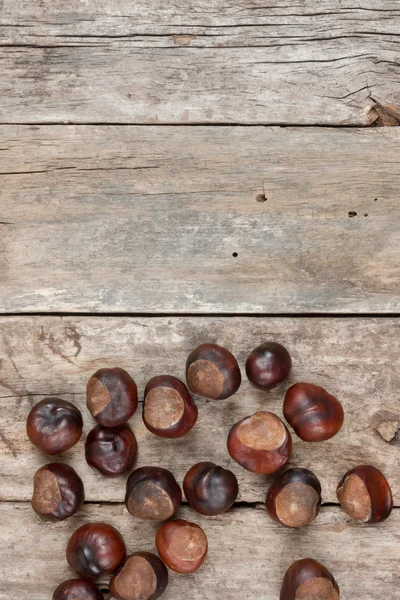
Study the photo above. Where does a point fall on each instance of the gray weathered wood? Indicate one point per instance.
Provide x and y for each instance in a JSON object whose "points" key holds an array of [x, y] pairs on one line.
{"points": [[199, 62], [146, 219], [353, 358]]}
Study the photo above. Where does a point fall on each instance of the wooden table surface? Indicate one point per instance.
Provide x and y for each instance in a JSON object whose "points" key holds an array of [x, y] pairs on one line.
{"points": [[201, 171]]}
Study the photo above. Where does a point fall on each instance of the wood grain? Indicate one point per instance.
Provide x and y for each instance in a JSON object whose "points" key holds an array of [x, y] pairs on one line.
{"points": [[147, 219], [355, 359]]}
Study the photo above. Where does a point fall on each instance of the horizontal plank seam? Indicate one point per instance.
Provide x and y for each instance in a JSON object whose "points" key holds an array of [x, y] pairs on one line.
{"points": [[238, 315], [187, 124]]}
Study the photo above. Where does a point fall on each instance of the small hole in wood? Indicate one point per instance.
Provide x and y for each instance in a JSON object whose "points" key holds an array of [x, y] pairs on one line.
{"points": [[352, 213], [365, 214], [261, 198], [235, 254], [375, 199]]}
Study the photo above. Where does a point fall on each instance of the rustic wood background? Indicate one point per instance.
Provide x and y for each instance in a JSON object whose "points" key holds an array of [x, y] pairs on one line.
{"points": [[201, 171]]}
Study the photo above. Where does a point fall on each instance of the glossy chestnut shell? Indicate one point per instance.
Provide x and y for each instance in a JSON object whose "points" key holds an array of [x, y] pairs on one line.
{"points": [[111, 450], [182, 545], [143, 576], [308, 579], [314, 414], [294, 498], [58, 492], [112, 396], [210, 489], [54, 425], [260, 443], [268, 365], [152, 493], [212, 371], [95, 550], [168, 409], [77, 589], [365, 495]]}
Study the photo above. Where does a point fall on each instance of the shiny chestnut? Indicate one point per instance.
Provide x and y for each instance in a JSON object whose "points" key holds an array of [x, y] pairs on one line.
{"points": [[268, 365], [307, 579], [210, 489], [260, 443], [111, 450], [168, 409], [54, 425], [152, 493], [95, 550], [143, 576], [365, 494], [77, 589], [112, 396], [58, 492], [182, 545], [212, 371], [294, 498], [314, 414]]}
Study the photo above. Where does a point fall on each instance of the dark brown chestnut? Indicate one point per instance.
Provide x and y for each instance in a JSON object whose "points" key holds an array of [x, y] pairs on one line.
{"points": [[260, 443], [152, 493], [111, 397], [294, 498], [268, 365], [168, 409], [77, 589], [54, 425], [143, 576], [209, 489], [95, 550], [111, 450], [182, 545], [307, 579], [314, 414], [58, 492], [213, 372], [365, 494]]}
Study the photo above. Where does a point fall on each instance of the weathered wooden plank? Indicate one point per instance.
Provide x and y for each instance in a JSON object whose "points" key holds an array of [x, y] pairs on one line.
{"points": [[356, 359], [146, 219], [247, 551]]}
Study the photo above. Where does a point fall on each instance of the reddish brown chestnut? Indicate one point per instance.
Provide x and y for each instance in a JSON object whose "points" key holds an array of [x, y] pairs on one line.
{"points": [[182, 545], [365, 494], [95, 550], [294, 498], [143, 576], [152, 493], [260, 443], [209, 489], [111, 397], [314, 414], [111, 450], [168, 408], [268, 365], [58, 492], [54, 425], [213, 372], [77, 589], [307, 579]]}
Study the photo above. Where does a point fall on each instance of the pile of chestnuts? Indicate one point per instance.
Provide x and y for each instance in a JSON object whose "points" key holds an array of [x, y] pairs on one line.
{"points": [[260, 443]]}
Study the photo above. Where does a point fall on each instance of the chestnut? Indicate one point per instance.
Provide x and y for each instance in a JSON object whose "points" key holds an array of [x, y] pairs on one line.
{"points": [[143, 576], [95, 550], [209, 489], [307, 579], [268, 365], [152, 493], [314, 414], [54, 425], [58, 492], [294, 498], [365, 494], [77, 589], [111, 450], [111, 397], [182, 545], [260, 443], [168, 408], [213, 372]]}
